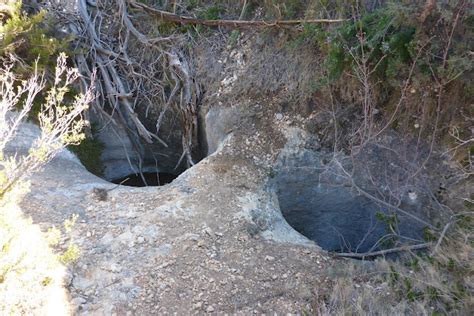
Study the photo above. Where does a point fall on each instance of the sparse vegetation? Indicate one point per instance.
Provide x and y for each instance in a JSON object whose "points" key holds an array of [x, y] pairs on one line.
{"points": [[23, 81], [380, 52], [433, 283]]}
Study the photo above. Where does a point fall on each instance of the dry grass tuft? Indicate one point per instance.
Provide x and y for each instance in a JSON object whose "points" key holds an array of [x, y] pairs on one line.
{"points": [[416, 284]]}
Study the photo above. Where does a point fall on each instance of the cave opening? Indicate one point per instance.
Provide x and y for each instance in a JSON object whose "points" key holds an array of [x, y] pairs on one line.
{"points": [[339, 221], [335, 216], [334, 219], [146, 179]]}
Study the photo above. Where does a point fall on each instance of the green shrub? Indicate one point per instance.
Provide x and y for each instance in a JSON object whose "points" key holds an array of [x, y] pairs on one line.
{"points": [[312, 34], [384, 37], [213, 12], [29, 38]]}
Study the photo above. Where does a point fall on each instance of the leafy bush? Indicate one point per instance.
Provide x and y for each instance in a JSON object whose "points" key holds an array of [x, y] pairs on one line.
{"points": [[384, 38], [28, 37], [26, 259]]}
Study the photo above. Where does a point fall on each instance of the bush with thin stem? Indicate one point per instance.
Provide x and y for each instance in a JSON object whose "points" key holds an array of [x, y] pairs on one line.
{"points": [[60, 122]]}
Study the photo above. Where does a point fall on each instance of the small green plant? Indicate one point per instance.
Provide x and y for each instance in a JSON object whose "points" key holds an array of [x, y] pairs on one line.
{"points": [[69, 223], [233, 38], [46, 281], [292, 8], [391, 221], [393, 275], [313, 34], [213, 12], [71, 254], [428, 234], [54, 237], [284, 9], [191, 4]]}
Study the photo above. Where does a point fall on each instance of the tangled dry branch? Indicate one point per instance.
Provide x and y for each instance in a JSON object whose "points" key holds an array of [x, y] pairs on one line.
{"points": [[133, 69], [142, 70]]}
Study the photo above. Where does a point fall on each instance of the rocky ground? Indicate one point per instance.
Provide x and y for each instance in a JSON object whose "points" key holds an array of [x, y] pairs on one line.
{"points": [[213, 241]]}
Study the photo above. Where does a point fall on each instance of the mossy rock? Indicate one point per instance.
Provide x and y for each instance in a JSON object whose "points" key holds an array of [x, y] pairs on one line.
{"points": [[89, 152]]}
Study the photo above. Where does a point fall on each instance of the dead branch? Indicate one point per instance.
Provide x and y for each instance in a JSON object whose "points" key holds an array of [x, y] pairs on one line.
{"points": [[376, 199], [382, 252], [443, 234], [233, 24]]}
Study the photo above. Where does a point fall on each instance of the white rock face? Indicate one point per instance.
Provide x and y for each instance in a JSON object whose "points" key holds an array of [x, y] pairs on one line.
{"points": [[219, 124], [118, 157]]}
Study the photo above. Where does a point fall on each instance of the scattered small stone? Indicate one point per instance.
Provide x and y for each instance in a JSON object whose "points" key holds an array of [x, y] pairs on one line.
{"points": [[140, 240], [269, 258], [115, 268], [210, 309], [77, 301], [68, 277], [208, 231]]}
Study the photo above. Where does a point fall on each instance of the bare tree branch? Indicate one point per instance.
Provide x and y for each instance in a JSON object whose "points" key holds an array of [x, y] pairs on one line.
{"points": [[382, 252], [234, 24]]}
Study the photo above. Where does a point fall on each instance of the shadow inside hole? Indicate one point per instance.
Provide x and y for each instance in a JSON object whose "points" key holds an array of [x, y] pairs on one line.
{"points": [[146, 179], [335, 217]]}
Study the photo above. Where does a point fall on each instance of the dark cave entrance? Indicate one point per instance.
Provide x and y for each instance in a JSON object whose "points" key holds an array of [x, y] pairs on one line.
{"points": [[329, 212], [339, 221], [146, 179], [332, 217], [152, 165]]}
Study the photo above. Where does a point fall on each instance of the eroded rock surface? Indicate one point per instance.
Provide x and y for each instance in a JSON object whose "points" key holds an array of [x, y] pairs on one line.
{"points": [[212, 241]]}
